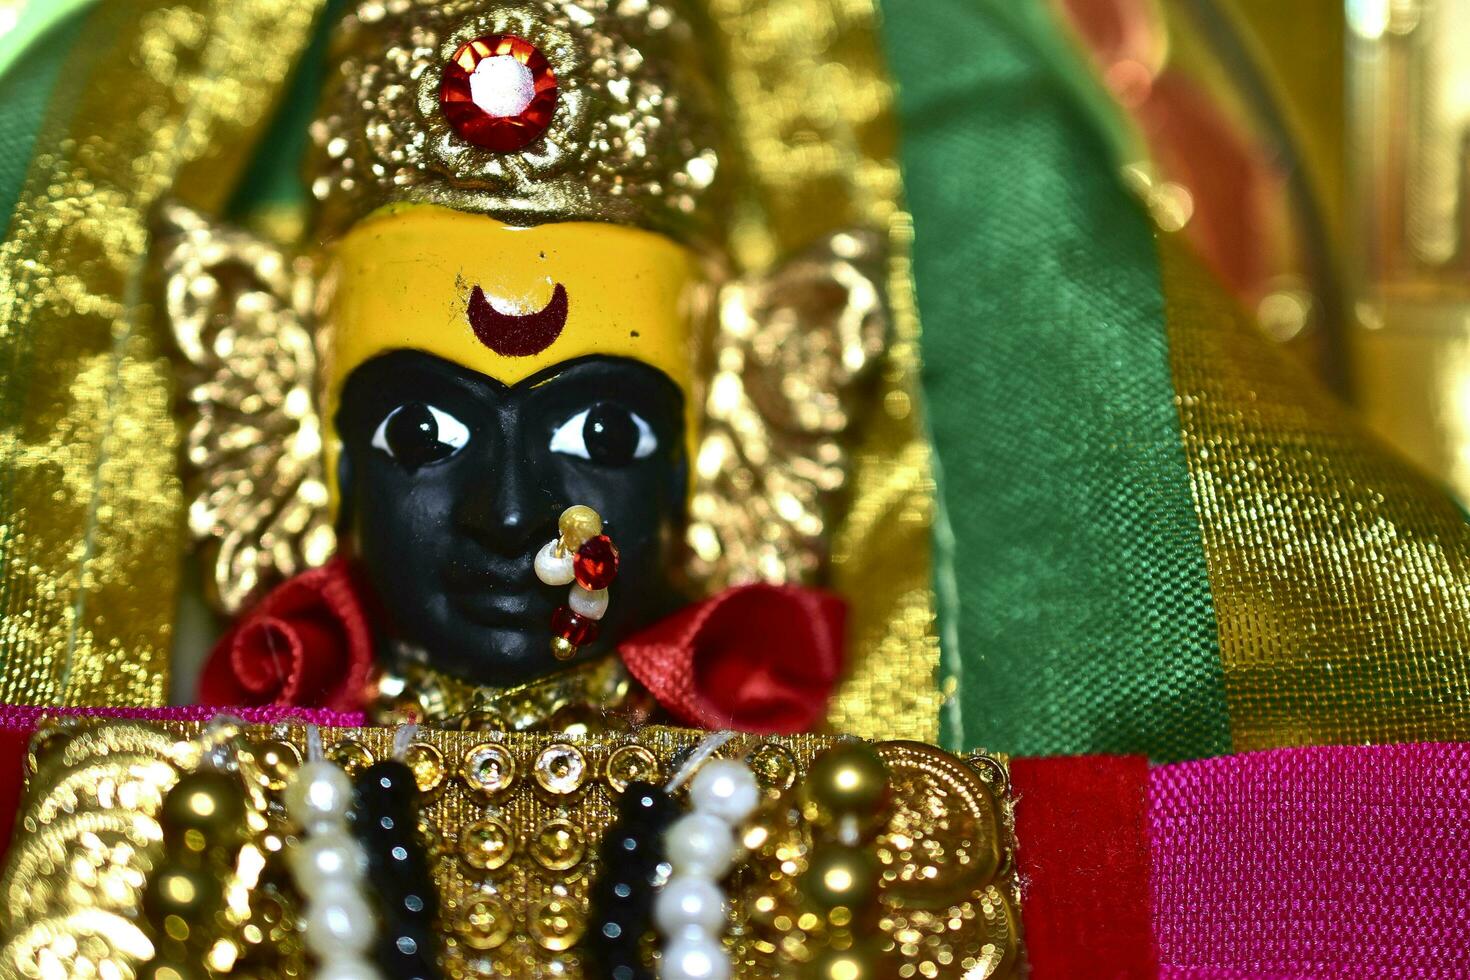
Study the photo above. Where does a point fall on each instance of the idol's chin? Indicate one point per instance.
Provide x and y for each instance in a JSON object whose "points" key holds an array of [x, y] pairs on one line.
{"points": [[497, 656]]}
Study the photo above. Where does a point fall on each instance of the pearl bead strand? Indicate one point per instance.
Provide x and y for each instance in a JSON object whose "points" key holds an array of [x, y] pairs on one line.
{"points": [[329, 868], [690, 909]]}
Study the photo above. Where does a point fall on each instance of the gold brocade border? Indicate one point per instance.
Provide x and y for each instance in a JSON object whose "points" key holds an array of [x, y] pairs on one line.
{"points": [[158, 97], [812, 116], [513, 823], [1340, 574]]}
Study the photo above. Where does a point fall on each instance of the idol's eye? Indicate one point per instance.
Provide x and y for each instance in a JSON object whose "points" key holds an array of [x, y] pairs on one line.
{"points": [[416, 435], [605, 433]]}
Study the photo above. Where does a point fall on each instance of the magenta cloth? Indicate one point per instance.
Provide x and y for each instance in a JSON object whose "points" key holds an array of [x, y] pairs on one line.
{"points": [[14, 716], [1316, 862]]}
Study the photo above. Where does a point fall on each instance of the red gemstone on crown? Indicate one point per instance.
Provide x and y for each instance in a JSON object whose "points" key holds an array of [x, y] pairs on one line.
{"points": [[596, 563], [499, 92]]}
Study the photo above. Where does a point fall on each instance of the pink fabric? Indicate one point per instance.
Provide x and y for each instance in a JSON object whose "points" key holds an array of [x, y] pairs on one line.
{"points": [[14, 716], [1317, 862]]}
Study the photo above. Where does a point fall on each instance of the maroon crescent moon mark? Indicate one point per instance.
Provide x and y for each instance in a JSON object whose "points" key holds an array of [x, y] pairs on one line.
{"points": [[518, 336]]}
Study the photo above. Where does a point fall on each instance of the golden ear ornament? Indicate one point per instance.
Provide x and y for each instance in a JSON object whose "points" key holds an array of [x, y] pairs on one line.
{"points": [[240, 311], [793, 359]]}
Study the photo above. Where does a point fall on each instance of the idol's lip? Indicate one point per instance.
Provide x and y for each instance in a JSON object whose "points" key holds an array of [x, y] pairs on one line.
{"points": [[507, 610], [507, 577]]}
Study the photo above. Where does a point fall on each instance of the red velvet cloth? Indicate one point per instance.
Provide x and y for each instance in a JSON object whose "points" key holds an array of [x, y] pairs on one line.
{"points": [[1083, 854], [755, 658], [758, 658], [307, 645]]}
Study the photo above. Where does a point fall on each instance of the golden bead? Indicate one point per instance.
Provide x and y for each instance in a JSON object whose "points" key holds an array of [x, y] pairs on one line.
{"points": [[858, 963], [840, 875], [577, 525], [205, 808], [184, 892], [168, 969], [562, 648], [271, 764], [848, 780]]}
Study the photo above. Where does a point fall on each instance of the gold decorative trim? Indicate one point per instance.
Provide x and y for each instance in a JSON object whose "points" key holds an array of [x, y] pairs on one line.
{"points": [[240, 311], [513, 822], [632, 140]]}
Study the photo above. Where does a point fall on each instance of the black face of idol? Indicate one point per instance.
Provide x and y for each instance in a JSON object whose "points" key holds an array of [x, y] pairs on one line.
{"points": [[451, 482]]}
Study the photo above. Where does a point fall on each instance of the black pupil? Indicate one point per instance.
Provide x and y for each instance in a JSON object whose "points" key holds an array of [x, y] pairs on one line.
{"points": [[610, 434], [413, 435]]}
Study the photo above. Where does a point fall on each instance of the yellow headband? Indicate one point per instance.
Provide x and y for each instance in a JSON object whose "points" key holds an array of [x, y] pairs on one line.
{"points": [[406, 279]]}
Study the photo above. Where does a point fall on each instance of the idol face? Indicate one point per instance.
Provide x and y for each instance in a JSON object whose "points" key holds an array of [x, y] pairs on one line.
{"points": [[452, 481]]}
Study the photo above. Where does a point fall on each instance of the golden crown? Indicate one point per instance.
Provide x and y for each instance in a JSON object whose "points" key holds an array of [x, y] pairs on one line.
{"points": [[553, 110]]}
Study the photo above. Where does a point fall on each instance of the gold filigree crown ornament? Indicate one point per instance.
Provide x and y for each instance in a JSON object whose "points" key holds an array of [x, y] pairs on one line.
{"points": [[560, 110]]}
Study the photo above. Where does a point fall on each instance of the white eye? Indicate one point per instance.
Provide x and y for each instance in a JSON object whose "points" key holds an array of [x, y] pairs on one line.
{"points": [[416, 434], [605, 433]]}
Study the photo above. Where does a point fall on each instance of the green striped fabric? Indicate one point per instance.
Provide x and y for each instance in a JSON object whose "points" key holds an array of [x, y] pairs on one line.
{"points": [[1081, 618]]}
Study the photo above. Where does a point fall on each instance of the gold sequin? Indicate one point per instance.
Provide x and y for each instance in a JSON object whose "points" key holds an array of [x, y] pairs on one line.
{"points": [[351, 755], [631, 763], [484, 924], [487, 845], [773, 767], [560, 769], [489, 768], [427, 763], [556, 924], [558, 846]]}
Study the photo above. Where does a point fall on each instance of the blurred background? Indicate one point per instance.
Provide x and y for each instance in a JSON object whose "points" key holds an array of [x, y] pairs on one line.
{"points": [[1313, 151]]}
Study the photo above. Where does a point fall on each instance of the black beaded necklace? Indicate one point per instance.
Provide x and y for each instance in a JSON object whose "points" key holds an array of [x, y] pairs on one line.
{"points": [[385, 820], [620, 906]]}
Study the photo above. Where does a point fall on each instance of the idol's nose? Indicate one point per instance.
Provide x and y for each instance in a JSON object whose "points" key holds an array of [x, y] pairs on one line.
{"points": [[508, 512]]}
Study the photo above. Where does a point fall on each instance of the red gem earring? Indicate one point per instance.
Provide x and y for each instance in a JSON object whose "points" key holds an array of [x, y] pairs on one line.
{"points": [[587, 560]]}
